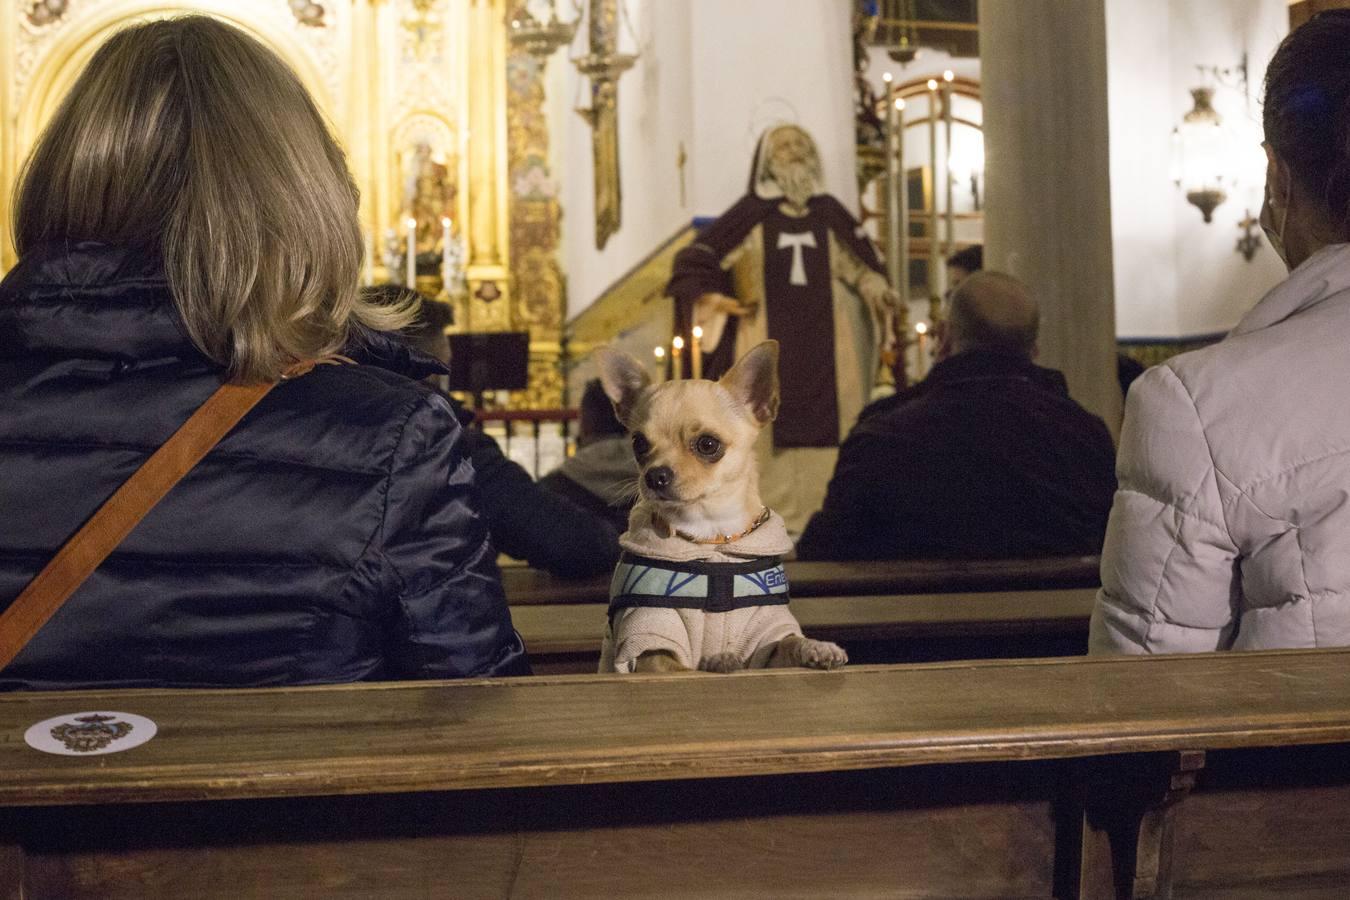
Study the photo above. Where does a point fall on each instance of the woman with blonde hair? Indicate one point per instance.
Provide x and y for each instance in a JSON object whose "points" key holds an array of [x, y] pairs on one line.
{"points": [[187, 220]]}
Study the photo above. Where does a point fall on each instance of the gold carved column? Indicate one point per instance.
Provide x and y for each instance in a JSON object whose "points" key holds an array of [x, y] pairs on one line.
{"points": [[488, 257], [535, 216]]}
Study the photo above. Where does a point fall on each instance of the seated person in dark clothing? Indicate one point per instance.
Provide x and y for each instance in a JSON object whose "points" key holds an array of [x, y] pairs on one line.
{"points": [[601, 477], [963, 264], [988, 457], [527, 522]]}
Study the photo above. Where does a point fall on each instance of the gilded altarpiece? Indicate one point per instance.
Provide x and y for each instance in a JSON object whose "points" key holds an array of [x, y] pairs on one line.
{"points": [[422, 94]]}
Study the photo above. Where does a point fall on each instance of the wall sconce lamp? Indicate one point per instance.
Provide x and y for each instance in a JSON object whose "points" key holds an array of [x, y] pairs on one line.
{"points": [[1209, 155], [541, 36], [1250, 241], [1200, 142]]}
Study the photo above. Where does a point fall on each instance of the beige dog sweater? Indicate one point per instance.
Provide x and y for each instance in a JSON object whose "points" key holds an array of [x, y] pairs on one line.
{"points": [[667, 594]]}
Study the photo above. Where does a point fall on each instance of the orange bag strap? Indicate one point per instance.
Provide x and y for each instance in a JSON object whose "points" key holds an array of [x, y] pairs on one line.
{"points": [[116, 518]]}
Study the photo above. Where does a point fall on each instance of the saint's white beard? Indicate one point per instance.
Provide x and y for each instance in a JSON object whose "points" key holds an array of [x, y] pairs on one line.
{"points": [[798, 181]]}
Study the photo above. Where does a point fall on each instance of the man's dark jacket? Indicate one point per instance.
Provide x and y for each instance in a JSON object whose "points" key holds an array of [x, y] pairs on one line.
{"points": [[332, 536], [987, 458]]}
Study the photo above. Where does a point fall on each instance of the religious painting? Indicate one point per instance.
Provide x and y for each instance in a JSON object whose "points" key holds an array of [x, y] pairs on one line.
{"points": [[428, 178]]}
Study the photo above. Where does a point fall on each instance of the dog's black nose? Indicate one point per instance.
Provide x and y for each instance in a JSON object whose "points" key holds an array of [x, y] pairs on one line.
{"points": [[659, 478]]}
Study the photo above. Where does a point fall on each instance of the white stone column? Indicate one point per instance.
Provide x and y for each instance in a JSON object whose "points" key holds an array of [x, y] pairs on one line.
{"points": [[1048, 196]]}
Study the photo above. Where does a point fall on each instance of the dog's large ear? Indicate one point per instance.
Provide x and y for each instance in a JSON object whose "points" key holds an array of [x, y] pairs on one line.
{"points": [[753, 381], [623, 378]]}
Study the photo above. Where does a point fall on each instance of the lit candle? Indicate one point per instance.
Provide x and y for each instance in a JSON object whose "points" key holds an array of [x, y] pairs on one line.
{"points": [[676, 346], [445, 252], [660, 354], [696, 354], [411, 274], [921, 329]]}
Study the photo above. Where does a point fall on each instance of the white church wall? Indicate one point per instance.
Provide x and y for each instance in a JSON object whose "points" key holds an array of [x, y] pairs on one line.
{"points": [[711, 76], [655, 116], [1176, 276], [1143, 198], [756, 62], [1215, 285]]}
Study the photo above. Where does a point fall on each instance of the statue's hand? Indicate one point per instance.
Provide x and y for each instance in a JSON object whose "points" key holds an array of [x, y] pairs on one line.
{"points": [[877, 292], [711, 304]]}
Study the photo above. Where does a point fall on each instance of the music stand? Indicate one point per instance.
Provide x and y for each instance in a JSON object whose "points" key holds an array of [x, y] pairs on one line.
{"points": [[489, 361]]}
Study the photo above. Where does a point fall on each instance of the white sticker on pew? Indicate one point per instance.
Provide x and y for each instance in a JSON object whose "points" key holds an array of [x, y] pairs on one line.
{"points": [[90, 733]]}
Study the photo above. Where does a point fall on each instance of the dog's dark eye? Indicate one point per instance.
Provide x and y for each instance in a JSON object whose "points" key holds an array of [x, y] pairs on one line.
{"points": [[641, 446], [707, 446]]}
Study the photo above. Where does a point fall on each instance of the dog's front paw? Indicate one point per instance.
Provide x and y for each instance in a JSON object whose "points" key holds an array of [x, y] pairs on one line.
{"points": [[820, 655], [721, 662]]}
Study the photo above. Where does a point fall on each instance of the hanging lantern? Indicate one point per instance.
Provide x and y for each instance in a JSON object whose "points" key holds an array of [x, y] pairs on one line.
{"points": [[1203, 154]]}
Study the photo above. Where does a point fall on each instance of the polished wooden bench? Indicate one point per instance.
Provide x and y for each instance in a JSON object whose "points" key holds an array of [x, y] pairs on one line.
{"points": [[529, 587], [1216, 776], [565, 638]]}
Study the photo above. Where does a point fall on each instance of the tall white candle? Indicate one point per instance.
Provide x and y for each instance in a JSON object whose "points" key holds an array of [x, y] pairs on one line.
{"points": [[660, 354], [676, 346], [410, 276], [696, 351]]}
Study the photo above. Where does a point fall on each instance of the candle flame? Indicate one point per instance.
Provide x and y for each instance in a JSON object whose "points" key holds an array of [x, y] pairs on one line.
{"points": [[445, 221], [698, 332], [678, 343], [948, 75], [410, 222], [659, 352], [921, 327], [932, 84], [899, 104], [887, 77]]}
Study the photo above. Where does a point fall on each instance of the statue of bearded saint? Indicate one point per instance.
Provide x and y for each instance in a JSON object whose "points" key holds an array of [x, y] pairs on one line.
{"points": [[790, 263]]}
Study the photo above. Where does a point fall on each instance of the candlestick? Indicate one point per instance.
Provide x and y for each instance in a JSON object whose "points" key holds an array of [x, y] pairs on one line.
{"points": [[660, 354], [676, 346], [410, 275], [921, 367], [934, 249], [696, 354], [947, 181], [897, 224]]}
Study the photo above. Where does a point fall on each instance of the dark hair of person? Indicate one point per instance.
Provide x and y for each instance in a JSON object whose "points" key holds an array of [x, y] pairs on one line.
{"points": [[597, 412], [428, 332], [993, 311], [971, 259], [1307, 112]]}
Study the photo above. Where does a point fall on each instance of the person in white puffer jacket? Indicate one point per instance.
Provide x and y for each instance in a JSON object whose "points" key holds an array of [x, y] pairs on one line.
{"points": [[1231, 526]]}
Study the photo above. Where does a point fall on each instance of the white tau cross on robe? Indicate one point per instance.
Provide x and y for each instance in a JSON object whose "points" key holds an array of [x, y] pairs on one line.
{"points": [[797, 242]]}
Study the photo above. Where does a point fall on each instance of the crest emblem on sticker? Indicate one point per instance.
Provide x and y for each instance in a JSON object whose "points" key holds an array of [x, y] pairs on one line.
{"points": [[90, 733]]}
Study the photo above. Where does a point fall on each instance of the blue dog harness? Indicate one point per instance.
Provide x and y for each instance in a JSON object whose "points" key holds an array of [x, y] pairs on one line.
{"points": [[708, 586]]}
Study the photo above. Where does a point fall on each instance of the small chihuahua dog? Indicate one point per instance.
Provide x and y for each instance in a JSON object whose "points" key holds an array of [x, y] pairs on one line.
{"points": [[700, 584]]}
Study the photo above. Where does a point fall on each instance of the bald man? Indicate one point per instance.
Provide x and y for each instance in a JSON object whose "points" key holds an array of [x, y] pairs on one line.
{"points": [[986, 458]]}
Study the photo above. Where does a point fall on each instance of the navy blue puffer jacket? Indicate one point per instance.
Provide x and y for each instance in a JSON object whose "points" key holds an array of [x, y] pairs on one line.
{"points": [[332, 536]]}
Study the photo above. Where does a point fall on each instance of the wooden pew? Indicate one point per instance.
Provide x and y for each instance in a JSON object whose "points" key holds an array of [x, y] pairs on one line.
{"points": [[1183, 777], [565, 639], [528, 587]]}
